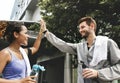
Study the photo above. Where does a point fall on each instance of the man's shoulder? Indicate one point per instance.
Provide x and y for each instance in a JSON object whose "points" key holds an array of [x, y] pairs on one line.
{"points": [[111, 40], [101, 36]]}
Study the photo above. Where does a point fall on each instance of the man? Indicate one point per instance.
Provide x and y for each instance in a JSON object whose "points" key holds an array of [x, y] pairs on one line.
{"points": [[98, 56]]}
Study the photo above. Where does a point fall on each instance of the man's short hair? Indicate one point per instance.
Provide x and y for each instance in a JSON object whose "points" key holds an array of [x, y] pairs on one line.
{"points": [[88, 20]]}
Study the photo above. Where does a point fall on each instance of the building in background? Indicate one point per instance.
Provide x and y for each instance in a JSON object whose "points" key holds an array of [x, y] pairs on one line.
{"points": [[58, 65], [25, 10]]}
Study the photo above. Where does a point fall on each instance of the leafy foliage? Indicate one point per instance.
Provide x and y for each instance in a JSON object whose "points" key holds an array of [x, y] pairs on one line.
{"points": [[62, 15], [34, 26]]}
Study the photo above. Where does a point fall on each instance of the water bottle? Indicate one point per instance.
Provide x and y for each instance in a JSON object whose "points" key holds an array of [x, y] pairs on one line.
{"points": [[35, 70]]}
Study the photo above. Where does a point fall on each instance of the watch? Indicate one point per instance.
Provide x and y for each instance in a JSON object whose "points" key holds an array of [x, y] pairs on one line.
{"points": [[45, 31]]}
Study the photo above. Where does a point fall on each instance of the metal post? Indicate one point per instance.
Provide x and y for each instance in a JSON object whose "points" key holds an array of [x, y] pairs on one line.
{"points": [[67, 69]]}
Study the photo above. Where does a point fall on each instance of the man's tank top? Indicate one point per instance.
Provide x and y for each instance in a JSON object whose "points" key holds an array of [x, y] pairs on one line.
{"points": [[15, 69]]}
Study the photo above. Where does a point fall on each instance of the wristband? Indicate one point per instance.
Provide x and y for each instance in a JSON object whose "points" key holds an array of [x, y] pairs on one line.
{"points": [[45, 31]]}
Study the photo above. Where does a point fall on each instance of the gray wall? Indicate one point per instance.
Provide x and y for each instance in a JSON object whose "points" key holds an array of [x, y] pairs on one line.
{"points": [[54, 71]]}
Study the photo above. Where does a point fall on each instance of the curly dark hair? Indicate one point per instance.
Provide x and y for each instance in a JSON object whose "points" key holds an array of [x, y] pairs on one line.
{"points": [[11, 28], [3, 25]]}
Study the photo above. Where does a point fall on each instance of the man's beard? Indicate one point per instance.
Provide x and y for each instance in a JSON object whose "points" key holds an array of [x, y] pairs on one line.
{"points": [[86, 35]]}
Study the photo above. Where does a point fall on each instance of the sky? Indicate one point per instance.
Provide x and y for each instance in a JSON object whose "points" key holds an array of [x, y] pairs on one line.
{"points": [[6, 9]]}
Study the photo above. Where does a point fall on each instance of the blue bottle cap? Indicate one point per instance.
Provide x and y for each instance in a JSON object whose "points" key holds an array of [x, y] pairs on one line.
{"points": [[38, 67]]}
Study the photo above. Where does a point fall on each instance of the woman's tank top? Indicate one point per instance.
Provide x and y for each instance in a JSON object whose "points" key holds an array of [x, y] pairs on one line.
{"points": [[15, 69]]}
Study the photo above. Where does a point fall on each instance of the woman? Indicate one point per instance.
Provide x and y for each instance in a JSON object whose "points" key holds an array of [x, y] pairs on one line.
{"points": [[14, 63]]}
